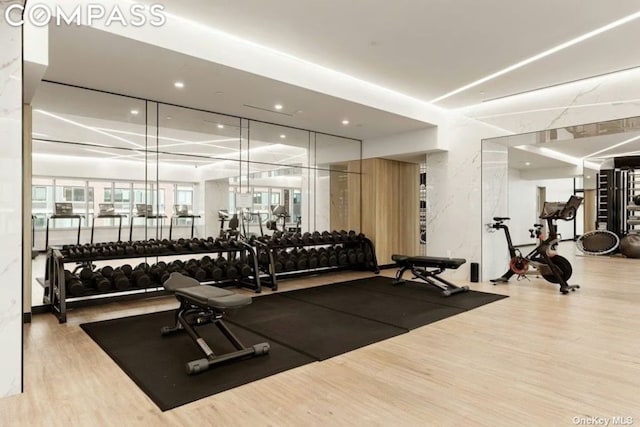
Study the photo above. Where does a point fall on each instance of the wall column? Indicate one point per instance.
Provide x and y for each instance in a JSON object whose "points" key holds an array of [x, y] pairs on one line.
{"points": [[389, 206], [11, 218]]}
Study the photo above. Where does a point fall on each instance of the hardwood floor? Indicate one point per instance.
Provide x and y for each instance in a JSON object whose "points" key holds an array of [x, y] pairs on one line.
{"points": [[536, 358]]}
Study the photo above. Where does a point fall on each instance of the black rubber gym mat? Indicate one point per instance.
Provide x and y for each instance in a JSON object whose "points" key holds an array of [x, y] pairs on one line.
{"points": [[317, 331], [424, 292], [157, 364], [409, 313]]}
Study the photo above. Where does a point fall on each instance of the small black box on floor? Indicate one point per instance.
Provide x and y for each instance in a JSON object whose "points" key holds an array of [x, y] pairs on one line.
{"points": [[475, 272]]}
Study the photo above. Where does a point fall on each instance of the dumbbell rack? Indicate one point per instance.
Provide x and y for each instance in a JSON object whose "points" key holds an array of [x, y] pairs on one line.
{"points": [[56, 297], [272, 250]]}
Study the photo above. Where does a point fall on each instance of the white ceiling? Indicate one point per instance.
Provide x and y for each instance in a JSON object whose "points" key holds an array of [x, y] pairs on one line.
{"points": [[428, 48], [96, 59], [418, 48]]}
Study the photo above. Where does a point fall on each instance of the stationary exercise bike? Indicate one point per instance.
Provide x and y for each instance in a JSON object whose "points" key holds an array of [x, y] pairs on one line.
{"points": [[543, 260]]}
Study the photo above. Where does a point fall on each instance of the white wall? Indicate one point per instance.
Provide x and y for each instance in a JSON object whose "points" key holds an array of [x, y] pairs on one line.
{"points": [[454, 208], [10, 208], [419, 141]]}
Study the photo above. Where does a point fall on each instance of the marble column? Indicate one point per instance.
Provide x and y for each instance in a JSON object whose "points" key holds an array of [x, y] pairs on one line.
{"points": [[10, 207], [495, 191], [454, 206]]}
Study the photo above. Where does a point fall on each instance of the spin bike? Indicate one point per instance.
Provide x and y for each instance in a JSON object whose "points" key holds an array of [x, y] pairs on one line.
{"points": [[543, 260]]}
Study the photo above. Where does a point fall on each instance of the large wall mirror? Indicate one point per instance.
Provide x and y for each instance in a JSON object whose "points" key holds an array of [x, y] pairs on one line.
{"points": [[594, 161], [108, 167]]}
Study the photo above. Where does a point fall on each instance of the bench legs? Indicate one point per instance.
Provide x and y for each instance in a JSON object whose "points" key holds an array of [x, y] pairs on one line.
{"points": [[188, 316], [430, 277]]}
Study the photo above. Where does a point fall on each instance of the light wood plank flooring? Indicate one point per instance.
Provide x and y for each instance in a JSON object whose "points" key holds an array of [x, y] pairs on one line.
{"points": [[537, 358]]}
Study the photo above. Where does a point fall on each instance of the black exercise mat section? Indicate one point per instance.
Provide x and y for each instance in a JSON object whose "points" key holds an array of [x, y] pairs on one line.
{"points": [[408, 313], [157, 364], [317, 331], [424, 292]]}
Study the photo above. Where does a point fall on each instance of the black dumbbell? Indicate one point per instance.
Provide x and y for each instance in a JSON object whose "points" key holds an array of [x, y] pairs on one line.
{"points": [[86, 274], [332, 257], [119, 279], [343, 258], [197, 272], [73, 284], [106, 271], [140, 278], [100, 283], [214, 272], [351, 256]]}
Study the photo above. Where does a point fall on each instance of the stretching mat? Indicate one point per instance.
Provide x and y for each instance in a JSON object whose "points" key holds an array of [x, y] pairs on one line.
{"points": [[301, 326]]}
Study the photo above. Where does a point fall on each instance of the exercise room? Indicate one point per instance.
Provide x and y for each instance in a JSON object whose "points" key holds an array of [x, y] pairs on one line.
{"points": [[207, 216]]}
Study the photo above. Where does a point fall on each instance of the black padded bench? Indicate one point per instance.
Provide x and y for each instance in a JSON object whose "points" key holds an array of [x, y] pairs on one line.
{"points": [[200, 305], [419, 265]]}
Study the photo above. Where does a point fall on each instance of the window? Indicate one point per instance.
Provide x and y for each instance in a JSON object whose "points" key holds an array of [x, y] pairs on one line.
{"points": [[39, 194], [184, 196]]}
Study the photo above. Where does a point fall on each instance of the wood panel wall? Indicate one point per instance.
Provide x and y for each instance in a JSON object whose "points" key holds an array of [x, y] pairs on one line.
{"points": [[589, 210], [389, 206]]}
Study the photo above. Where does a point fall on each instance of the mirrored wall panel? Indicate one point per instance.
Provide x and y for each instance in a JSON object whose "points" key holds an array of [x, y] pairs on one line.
{"points": [[596, 161], [109, 168]]}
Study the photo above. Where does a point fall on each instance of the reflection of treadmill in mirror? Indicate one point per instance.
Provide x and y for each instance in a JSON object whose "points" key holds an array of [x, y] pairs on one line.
{"points": [[182, 211], [247, 218], [63, 210], [107, 210], [234, 222], [145, 211]]}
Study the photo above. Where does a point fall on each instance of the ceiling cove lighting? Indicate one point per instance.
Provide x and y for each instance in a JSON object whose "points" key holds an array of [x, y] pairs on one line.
{"points": [[62, 119], [635, 138], [541, 55], [179, 85]]}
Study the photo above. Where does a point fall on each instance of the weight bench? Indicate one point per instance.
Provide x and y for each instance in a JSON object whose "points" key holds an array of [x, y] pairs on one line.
{"points": [[418, 266], [202, 304]]}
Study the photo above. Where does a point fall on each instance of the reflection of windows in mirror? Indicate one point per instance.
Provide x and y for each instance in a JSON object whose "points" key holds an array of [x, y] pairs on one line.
{"points": [[232, 199], [184, 195], [119, 195], [275, 196], [76, 194], [297, 204], [39, 194]]}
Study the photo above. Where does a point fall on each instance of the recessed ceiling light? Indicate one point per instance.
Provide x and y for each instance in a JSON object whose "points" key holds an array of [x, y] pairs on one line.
{"points": [[345, 122], [179, 85], [588, 177], [135, 112], [278, 106], [299, 112], [283, 136], [220, 126], [219, 92], [528, 164]]}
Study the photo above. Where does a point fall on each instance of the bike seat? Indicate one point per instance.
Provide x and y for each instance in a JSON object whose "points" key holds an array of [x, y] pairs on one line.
{"points": [[500, 218], [538, 225]]}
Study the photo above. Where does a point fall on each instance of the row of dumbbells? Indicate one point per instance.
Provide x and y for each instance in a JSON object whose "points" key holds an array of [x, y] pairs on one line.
{"points": [[279, 238], [304, 259], [126, 277], [146, 247]]}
